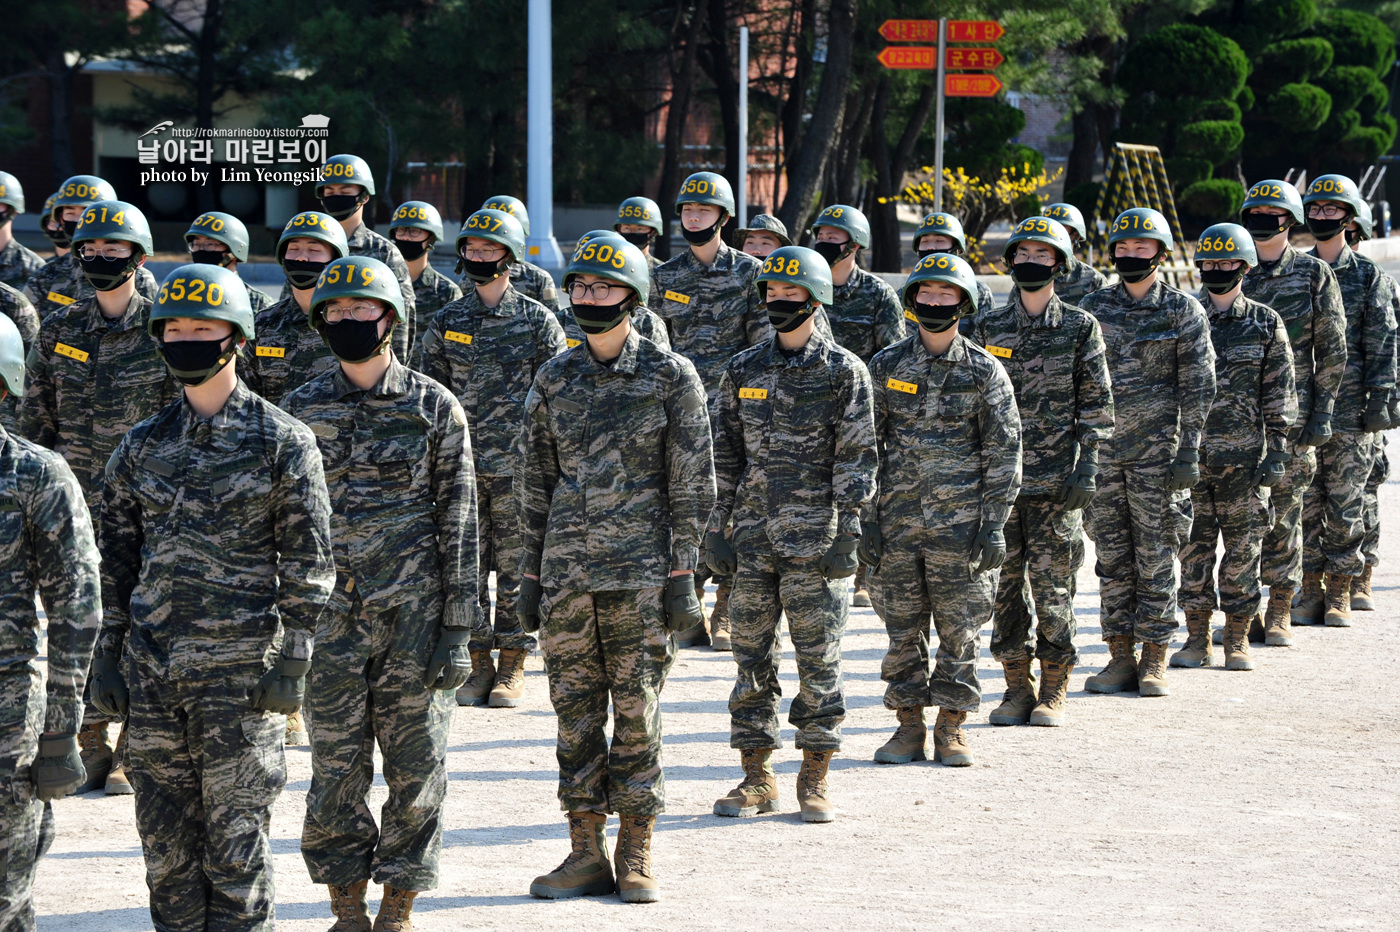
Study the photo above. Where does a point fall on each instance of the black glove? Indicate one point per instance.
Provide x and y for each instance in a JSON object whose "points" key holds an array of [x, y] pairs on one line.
{"points": [[58, 770], [108, 687], [1185, 472], [283, 687], [451, 664], [1377, 413], [988, 548], [527, 604], [681, 604], [719, 554], [840, 560], [1318, 430], [1272, 469], [1081, 485], [871, 549]]}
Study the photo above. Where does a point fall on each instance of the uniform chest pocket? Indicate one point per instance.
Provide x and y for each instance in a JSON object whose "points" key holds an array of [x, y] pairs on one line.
{"points": [[397, 453], [754, 411], [568, 419], [11, 529], [816, 409], [1249, 353], [1155, 344], [903, 399], [236, 479], [641, 418], [153, 486], [956, 407]]}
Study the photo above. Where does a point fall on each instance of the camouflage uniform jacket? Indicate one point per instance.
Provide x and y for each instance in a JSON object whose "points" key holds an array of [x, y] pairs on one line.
{"points": [[949, 436], [643, 321], [1077, 280], [616, 473], [866, 315], [794, 445], [712, 312], [488, 357], [1162, 368], [61, 283], [1367, 301], [433, 291], [1255, 398], [287, 353], [366, 242], [46, 545], [90, 381], [1304, 292], [986, 303], [14, 305], [258, 300], [216, 547], [533, 282], [17, 263], [399, 472], [1060, 375]]}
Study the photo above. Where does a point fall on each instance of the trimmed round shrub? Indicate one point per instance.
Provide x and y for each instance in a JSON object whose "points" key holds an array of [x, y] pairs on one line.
{"points": [[1346, 84], [1212, 140], [1292, 61], [1185, 171], [1178, 60], [1217, 109], [1357, 39], [1300, 107], [1212, 200]]}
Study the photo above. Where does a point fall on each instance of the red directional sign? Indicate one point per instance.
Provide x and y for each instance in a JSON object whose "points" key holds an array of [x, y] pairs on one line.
{"points": [[909, 30], [972, 30], [909, 57], [971, 85], [960, 59]]}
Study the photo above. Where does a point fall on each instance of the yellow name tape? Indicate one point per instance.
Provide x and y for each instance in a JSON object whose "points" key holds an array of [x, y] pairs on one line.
{"points": [[463, 338], [572, 343], [677, 296], [757, 394], [899, 386], [63, 299], [1001, 351], [276, 352], [63, 349]]}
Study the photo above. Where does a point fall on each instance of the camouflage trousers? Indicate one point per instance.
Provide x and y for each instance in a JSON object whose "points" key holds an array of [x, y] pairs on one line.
{"points": [[26, 832], [1281, 558], [1370, 502], [600, 646], [498, 526], [1333, 525], [367, 688], [206, 767], [1044, 551], [925, 575], [1229, 505], [1137, 527]]}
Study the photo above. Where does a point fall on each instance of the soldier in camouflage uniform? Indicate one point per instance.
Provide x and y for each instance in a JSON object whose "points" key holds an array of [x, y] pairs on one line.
{"points": [[216, 565], [17, 261], [46, 548], [644, 321], [525, 277], [794, 466], [949, 438], [639, 222], [40, 282], [1332, 506], [1303, 290], [15, 306], [287, 353], [347, 185], [1077, 278], [1054, 354], [94, 374], [764, 234], [217, 238], [941, 232], [392, 647], [1245, 452], [1163, 370], [486, 349], [615, 480], [416, 228]]}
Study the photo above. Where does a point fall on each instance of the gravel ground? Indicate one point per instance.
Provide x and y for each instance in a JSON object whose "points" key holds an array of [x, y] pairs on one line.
{"points": [[1262, 800]]}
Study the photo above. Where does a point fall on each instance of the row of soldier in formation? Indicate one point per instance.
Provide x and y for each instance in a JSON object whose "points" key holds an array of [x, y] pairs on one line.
{"points": [[272, 477]]}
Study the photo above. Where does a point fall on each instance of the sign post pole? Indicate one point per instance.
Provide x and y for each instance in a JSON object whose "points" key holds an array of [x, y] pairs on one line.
{"points": [[938, 118]]}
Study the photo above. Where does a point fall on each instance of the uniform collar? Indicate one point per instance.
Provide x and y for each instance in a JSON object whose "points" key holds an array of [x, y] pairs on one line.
{"points": [[1153, 298], [224, 431], [956, 353], [361, 235], [815, 350], [626, 361], [1050, 318], [509, 306], [856, 279], [1238, 307], [392, 384], [1345, 260], [133, 316], [724, 259], [1283, 266]]}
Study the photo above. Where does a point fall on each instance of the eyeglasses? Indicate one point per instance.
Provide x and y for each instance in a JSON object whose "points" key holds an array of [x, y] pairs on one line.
{"points": [[1326, 211], [206, 247], [411, 234], [1218, 265], [361, 312], [88, 251], [599, 290], [483, 252]]}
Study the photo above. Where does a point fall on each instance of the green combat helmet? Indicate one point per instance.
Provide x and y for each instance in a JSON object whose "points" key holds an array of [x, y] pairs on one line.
{"points": [[80, 191], [763, 223], [1270, 193], [1365, 225], [498, 227], [310, 224], [356, 277], [612, 258], [202, 292], [114, 220], [942, 267], [58, 236], [1335, 188], [11, 357], [797, 265], [1141, 223], [641, 211], [940, 224], [11, 193], [418, 215], [226, 228], [1032, 276], [707, 188], [845, 217], [1225, 242], [1068, 215], [511, 205], [346, 169]]}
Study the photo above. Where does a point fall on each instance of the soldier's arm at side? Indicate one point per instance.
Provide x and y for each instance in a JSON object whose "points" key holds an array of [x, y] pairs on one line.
{"points": [[853, 472], [880, 415], [999, 423], [729, 456], [430, 355], [1329, 348], [121, 535], [536, 475], [1195, 373], [690, 469], [38, 409], [551, 339], [1278, 404], [889, 319], [454, 492], [757, 329], [302, 529], [26, 319], [1093, 388], [1378, 337]]}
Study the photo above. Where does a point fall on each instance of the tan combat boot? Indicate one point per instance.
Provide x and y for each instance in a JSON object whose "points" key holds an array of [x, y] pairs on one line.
{"points": [[1338, 601], [117, 782], [757, 792], [719, 621], [1311, 602], [1196, 651], [1237, 642], [1278, 626], [1152, 671], [1361, 591], [95, 749], [1121, 672], [908, 741], [395, 911], [860, 595], [949, 743], [1019, 697], [478, 685], [812, 791], [1054, 689], [349, 907], [586, 871], [510, 680], [632, 859]]}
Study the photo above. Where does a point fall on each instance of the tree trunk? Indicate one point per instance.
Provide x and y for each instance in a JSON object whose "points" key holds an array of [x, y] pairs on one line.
{"points": [[853, 136], [682, 79], [60, 78], [206, 50], [884, 225], [790, 115], [1084, 151], [722, 70]]}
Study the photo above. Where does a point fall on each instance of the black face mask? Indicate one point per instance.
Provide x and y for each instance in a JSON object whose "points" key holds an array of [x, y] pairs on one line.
{"points": [[107, 274], [411, 249], [355, 341], [69, 228], [787, 316], [1032, 276], [640, 240], [1265, 226], [58, 237], [1133, 269], [701, 237], [1221, 281], [484, 271], [195, 362], [6, 215], [600, 318], [302, 273], [831, 252], [341, 206], [1323, 229], [936, 318], [210, 257]]}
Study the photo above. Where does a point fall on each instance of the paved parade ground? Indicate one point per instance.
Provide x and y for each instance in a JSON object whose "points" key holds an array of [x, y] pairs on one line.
{"points": [[1248, 800]]}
